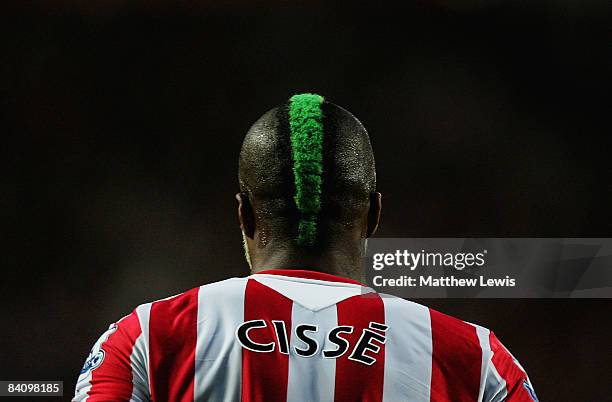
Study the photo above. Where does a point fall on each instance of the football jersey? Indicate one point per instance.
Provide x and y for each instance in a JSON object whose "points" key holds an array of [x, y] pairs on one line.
{"points": [[295, 335]]}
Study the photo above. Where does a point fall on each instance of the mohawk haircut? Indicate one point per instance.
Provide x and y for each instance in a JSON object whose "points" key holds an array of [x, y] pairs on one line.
{"points": [[306, 132], [307, 167]]}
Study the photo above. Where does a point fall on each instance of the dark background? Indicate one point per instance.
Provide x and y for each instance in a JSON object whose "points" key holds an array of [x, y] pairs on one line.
{"points": [[122, 125]]}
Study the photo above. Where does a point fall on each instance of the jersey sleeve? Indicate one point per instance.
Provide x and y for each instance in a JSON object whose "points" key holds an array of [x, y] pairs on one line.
{"points": [[505, 378], [115, 369]]}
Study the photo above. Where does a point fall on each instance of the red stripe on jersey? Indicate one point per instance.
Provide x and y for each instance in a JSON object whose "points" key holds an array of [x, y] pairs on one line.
{"points": [[456, 359], [114, 375], [172, 343], [509, 371], [264, 375], [357, 381]]}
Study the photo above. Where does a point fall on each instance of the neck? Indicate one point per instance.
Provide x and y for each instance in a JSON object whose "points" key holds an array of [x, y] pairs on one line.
{"points": [[344, 262]]}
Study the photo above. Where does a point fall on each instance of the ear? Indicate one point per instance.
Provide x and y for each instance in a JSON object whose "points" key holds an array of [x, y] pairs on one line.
{"points": [[374, 213], [246, 217]]}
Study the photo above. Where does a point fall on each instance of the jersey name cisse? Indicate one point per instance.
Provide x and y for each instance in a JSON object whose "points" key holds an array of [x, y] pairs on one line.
{"points": [[363, 351]]}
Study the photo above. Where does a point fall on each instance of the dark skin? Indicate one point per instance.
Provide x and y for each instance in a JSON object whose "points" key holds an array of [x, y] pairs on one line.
{"points": [[341, 258]]}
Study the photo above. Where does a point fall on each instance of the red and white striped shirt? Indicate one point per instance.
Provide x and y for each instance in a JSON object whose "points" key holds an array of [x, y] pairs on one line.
{"points": [[288, 335]]}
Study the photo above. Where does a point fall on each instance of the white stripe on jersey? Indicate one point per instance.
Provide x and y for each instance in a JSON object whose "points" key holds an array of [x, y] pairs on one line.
{"points": [[139, 358], [218, 357], [311, 293], [83, 384], [409, 351], [311, 378], [492, 385], [496, 385], [483, 338]]}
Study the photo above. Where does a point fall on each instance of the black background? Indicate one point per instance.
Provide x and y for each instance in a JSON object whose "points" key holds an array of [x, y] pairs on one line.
{"points": [[122, 125]]}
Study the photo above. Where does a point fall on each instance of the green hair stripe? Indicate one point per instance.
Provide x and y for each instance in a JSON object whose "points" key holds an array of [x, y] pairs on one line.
{"points": [[306, 128]]}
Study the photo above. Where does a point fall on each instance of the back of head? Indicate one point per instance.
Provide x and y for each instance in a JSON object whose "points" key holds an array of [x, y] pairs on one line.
{"points": [[308, 170]]}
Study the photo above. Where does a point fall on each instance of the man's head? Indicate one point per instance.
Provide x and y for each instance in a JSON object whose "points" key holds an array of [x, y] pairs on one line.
{"points": [[307, 187]]}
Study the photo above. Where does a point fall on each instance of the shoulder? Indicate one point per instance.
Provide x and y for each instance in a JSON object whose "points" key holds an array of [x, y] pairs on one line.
{"points": [[173, 310], [433, 318], [457, 331], [222, 290], [446, 332]]}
